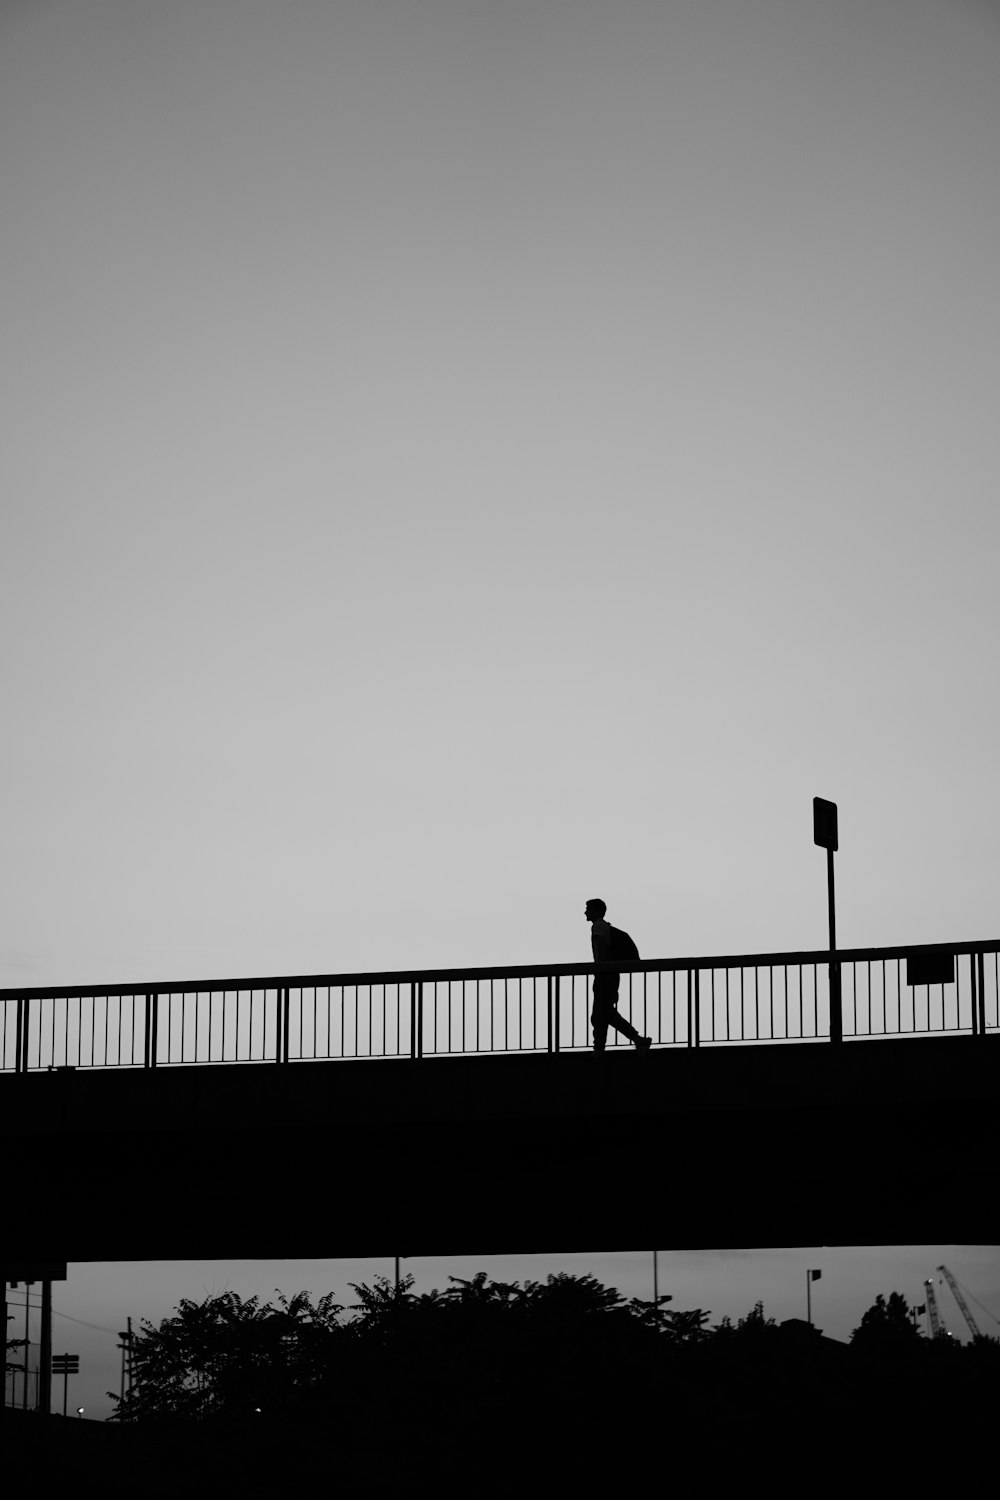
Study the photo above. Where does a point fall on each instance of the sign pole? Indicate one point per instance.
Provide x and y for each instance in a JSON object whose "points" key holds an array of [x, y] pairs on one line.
{"points": [[65, 1365], [825, 835], [836, 999]]}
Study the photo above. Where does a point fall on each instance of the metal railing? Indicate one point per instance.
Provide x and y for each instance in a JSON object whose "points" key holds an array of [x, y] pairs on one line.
{"points": [[685, 1002]]}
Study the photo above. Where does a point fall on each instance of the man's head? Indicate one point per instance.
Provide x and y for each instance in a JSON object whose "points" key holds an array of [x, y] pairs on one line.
{"points": [[594, 910]]}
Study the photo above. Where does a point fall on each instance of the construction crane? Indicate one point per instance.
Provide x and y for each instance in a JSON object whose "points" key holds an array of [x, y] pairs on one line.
{"points": [[938, 1329], [962, 1304]]}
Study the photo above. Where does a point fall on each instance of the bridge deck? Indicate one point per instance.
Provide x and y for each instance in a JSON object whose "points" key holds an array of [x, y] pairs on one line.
{"points": [[876, 1142]]}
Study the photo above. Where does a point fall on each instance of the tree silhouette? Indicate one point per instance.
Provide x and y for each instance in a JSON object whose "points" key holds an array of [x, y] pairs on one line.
{"points": [[753, 1326], [886, 1326], [9, 1346], [227, 1356], [487, 1386], [224, 1355]]}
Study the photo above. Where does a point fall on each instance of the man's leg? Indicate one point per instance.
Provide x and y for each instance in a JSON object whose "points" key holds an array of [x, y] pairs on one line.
{"points": [[599, 1021], [607, 999], [621, 1025], [604, 1004]]}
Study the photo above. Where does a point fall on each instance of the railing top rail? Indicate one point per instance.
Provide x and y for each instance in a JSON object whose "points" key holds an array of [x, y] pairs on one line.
{"points": [[517, 971]]}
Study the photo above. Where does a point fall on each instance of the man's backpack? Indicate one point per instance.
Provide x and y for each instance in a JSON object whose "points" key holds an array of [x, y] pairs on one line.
{"points": [[622, 945]]}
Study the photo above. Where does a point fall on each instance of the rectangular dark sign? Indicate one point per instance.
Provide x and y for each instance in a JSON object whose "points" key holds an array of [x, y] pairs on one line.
{"points": [[824, 823], [930, 968]]}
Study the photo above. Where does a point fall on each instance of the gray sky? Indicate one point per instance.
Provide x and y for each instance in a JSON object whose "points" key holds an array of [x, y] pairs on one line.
{"points": [[721, 1281], [462, 458]]}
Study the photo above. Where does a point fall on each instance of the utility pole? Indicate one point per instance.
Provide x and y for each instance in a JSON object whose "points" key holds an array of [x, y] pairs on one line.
{"points": [[27, 1345], [45, 1353], [825, 835], [3, 1403], [656, 1288], [126, 1347], [25, 1273]]}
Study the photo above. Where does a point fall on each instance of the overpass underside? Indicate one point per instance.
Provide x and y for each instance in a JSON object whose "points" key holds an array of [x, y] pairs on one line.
{"points": [[879, 1142]]}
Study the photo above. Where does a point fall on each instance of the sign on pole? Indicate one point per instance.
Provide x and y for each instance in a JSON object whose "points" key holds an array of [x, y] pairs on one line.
{"points": [[65, 1365], [825, 835], [824, 823]]}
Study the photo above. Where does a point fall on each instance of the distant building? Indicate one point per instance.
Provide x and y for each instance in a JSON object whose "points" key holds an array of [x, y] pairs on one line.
{"points": [[806, 1335]]}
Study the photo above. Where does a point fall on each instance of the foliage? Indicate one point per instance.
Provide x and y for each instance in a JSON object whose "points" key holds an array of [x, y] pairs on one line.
{"points": [[227, 1355], [505, 1348], [752, 1326], [886, 1326], [224, 1354], [11, 1345]]}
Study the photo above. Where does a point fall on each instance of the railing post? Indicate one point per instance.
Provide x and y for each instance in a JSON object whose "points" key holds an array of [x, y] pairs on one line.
{"points": [[21, 1039], [697, 1007], [555, 1012], [836, 1005], [690, 1007], [416, 1018], [152, 1016], [552, 1010], [978, 975], [281, 1049]]}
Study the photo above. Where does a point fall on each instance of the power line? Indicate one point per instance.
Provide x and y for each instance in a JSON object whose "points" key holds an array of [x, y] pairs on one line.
{"points": [[56, 1313]]}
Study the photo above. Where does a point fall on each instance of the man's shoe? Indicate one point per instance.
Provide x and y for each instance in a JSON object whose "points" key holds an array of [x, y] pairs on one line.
{"points": [[644, 1043]]}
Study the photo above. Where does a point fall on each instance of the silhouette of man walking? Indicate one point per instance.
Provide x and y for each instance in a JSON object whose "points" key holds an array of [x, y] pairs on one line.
{"points": [[605, 1011]]}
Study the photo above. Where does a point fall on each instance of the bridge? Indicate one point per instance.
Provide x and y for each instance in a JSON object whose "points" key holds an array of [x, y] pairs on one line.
{"points": [[788, 1099]]}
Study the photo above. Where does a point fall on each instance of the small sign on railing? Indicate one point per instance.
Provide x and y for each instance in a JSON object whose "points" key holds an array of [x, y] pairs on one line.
{"points": [[930, 968]]}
